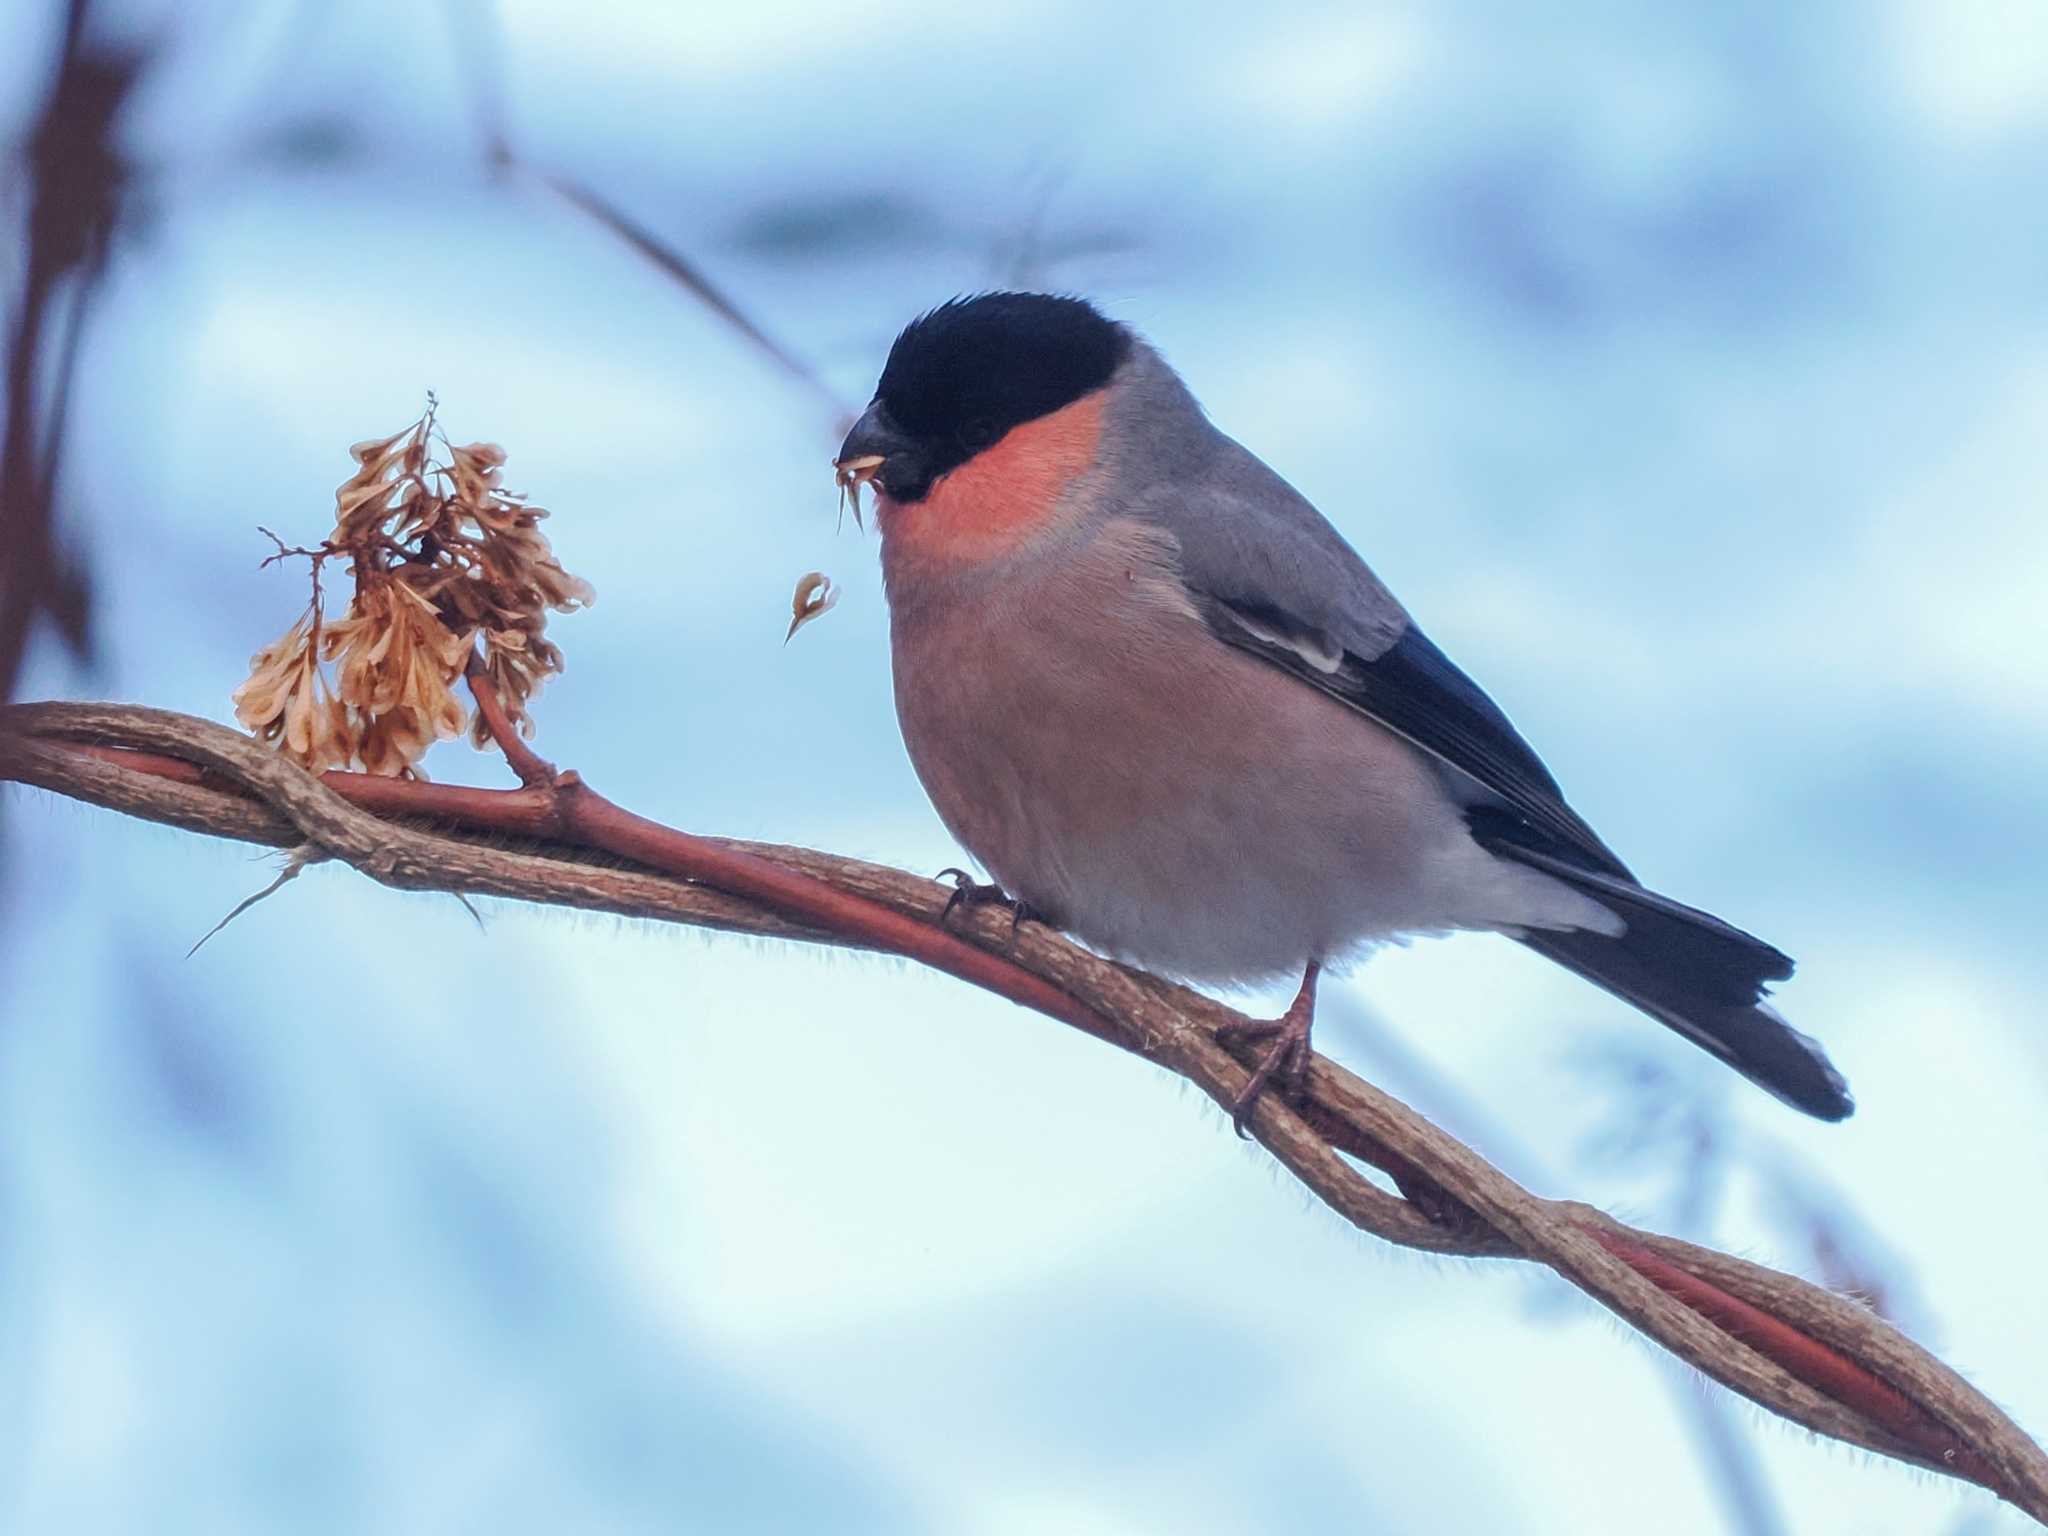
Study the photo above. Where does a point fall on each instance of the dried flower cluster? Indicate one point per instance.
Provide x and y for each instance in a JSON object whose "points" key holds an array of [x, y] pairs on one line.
{"points": [[443, 558]]}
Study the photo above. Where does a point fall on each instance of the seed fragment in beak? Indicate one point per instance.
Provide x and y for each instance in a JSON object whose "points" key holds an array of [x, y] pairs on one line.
{"points": [[850, 475]]}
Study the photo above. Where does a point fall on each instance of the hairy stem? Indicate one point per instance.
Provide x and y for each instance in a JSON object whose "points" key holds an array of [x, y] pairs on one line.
{"points": [[1816, 1358]]}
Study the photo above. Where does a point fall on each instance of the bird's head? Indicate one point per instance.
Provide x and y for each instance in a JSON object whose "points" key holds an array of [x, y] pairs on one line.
{"points": [[963, 388]]}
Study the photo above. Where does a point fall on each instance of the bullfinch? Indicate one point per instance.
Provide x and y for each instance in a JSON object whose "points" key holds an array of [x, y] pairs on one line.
{"points": [[1165, 705]]}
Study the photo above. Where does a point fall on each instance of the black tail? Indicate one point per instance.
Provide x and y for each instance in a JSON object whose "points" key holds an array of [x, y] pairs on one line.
{"points": [[1688, 970]]}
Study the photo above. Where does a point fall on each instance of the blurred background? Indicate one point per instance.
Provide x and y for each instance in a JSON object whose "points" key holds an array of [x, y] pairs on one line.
{"points": [[1685, 369]]}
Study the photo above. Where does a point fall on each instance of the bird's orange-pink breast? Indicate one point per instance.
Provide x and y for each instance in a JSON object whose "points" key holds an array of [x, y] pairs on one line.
{"points": [[1003, 495]]}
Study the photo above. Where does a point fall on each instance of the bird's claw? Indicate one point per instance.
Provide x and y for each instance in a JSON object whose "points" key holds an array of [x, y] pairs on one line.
{"points": [[967, 891], [1286, 1063], [970, 892]]}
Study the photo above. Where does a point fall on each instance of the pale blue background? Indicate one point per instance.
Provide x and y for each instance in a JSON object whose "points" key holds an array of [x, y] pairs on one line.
{"points": [[1685, 369]]}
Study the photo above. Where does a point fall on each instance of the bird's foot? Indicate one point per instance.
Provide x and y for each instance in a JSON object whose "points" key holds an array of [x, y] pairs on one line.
{"points": [[1287, 1061], [970, 892]]}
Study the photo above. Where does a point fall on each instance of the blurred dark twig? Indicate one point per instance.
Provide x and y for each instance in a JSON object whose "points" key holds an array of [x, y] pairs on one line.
{"points": [[672, 262], [1677, 1122], [75, 177], [480, 46], [1724, 1449]]}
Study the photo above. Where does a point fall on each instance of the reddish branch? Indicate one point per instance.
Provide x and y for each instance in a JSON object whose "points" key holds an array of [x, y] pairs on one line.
{"points": [[1817, 1358], [535, 772]]}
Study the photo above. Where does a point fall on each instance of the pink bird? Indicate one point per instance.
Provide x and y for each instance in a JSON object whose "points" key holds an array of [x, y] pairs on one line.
{"points": [[1166, 706]]}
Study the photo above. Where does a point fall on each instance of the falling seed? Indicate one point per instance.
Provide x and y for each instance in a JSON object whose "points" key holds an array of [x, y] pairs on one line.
{"points": [[814, 594]]}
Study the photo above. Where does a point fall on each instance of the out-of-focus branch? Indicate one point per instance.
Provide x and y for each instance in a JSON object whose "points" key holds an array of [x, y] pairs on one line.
{"points": [[480, 48], [75, 178], [1728, 1456], [1815, 1358], [674, 264]]}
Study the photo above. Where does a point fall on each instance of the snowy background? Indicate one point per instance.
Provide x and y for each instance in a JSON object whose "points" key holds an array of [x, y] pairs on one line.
{"points": [[1684, 368]]}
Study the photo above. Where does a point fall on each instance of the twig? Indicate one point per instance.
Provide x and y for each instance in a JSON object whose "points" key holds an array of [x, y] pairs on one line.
{"points": [[534, 771], [667, 259], [74, 175], [295, 861], [1726, 1451], [1802, 1352], [479, 53], [470, 907]]}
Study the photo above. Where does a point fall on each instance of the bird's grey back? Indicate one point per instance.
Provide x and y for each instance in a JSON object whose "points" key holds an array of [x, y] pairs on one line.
{"points": [[1246, 536]]}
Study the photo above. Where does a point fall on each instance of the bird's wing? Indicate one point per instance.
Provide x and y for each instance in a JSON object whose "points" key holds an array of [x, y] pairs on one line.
{"points": [[1416, 692], [1270, 576]]}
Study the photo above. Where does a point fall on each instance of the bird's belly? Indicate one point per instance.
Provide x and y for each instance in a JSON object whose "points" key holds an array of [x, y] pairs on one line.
{"points": [[1168, 799]]}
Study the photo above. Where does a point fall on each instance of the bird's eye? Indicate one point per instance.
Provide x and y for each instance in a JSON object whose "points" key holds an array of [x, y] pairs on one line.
{"points": [[978, 433]]}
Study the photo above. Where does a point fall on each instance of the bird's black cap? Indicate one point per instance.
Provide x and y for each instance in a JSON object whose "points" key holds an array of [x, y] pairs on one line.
{"points": [[961, 376]]}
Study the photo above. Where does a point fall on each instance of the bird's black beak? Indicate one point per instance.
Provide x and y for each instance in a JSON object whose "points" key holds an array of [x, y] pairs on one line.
{"points": [[880, 451], [875, 433]]}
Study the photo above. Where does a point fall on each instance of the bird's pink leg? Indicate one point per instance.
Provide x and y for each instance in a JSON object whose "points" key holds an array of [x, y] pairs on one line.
{"points": [[1288, 1059]]}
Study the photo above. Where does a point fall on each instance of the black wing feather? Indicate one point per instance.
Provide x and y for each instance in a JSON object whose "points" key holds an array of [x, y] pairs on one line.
{"points": [[1700, 976], [1417, 692]]}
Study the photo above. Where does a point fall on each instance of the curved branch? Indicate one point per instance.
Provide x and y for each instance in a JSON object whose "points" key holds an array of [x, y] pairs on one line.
{"points": [[1816, 1358]]}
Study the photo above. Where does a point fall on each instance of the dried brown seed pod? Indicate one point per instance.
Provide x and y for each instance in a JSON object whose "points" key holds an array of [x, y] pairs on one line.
{"points": [[443, 559]]}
